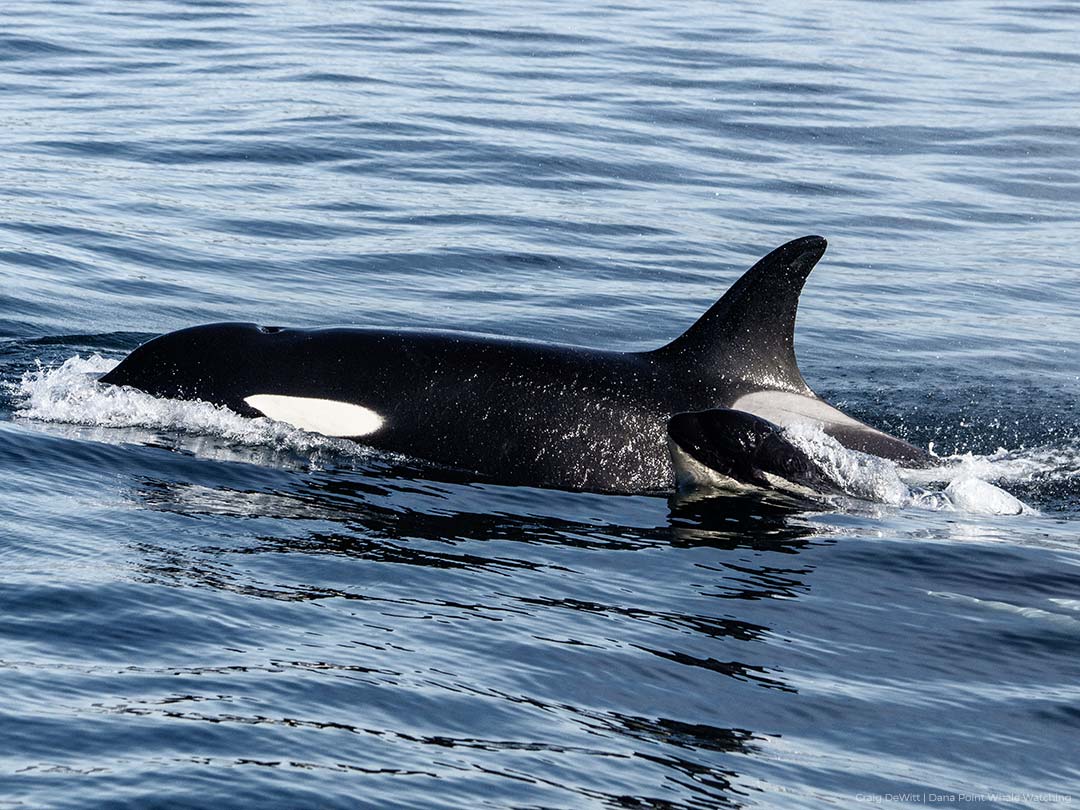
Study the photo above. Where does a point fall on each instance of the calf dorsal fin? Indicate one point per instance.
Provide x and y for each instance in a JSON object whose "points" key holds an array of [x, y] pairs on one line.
{"points": [[749, 334]]}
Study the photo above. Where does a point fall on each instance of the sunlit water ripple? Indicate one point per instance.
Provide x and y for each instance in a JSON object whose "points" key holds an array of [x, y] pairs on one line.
{"points": [[198, 611]]}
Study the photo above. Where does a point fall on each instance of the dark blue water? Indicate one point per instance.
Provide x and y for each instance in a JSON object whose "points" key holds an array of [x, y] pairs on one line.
{"points": [[196, 612]]}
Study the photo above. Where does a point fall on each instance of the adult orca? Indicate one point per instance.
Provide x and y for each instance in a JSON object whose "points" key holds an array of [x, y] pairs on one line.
{"points": [[516, 411]]}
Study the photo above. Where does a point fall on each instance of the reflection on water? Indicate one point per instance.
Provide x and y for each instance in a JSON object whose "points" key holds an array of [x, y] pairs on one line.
{"points": [[523, 599]]}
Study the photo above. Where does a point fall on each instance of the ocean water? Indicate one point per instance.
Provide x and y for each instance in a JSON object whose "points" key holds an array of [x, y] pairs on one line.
{"points": [[198, 610]]}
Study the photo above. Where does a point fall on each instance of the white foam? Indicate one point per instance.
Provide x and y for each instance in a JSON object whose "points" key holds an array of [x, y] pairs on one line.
{"points": [[1037, 614], [71, 394], [858, 474], [882, 481], [975, 495], [1045, 463]]}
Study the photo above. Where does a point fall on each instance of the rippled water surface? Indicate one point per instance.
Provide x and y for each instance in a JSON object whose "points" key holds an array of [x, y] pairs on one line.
{"points": [[201, 611]]}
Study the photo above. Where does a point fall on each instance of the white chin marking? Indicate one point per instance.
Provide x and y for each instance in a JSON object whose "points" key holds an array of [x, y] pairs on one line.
{"points": [[692, 474], [783, 485], [326, 416]]}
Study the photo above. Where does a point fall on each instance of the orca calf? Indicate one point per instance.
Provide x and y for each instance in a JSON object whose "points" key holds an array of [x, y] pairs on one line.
{"points": [[520, 412], [727, 449]]}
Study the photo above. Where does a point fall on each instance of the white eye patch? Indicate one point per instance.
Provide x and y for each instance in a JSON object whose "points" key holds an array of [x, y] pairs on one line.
{"points": [[326, 416]]}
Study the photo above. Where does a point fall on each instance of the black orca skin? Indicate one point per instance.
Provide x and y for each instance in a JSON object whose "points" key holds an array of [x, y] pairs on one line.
{"points": [[744, 448], [520, 412]]}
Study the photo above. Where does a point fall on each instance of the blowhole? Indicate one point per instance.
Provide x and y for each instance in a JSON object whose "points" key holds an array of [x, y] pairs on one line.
{"points": [[270, 330]]}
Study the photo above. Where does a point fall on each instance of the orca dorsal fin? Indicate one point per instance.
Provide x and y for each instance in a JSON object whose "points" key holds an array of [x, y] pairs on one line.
{"points": [[749, 334]]}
